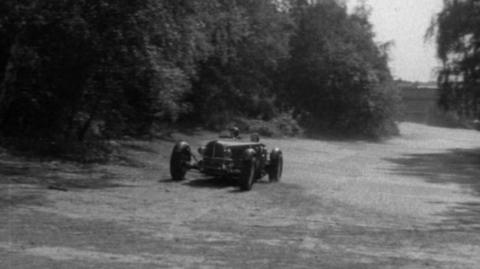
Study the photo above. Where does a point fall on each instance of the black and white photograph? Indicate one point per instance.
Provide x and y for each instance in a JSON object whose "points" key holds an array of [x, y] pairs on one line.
{"points": [[145, 134]]}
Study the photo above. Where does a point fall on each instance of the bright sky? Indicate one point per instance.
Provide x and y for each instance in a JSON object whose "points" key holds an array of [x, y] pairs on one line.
{"points": [[405, 22]]}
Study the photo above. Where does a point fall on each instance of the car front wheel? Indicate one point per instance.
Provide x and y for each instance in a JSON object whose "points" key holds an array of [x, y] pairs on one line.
{"points": [[179, 161], [247, 175], [276, 169]]}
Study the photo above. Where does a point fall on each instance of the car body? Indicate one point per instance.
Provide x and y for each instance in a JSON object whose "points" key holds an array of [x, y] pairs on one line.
{"points": [[247, 161]]}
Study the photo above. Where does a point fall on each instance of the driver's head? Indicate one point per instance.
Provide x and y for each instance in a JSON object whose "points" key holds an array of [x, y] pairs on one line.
{"points": [[234, 132]]}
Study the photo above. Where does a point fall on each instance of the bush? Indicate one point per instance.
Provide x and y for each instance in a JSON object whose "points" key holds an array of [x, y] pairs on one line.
{"points": [[282, 125]]}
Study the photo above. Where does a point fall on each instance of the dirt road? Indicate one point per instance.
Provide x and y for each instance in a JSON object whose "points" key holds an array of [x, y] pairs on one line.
{"points": [[409, 202]]}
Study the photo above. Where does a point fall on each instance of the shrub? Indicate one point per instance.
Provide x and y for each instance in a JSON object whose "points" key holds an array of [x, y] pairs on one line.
{"points": [[283, 124]]}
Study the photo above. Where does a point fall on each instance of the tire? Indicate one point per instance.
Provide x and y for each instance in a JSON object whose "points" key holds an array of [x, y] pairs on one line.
{"points": [[178, 161], [276, 169], [255, 137], [247, 175]]}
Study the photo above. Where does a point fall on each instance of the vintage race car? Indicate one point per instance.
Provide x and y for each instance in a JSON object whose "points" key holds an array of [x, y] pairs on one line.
{"points": [[246, 161]]}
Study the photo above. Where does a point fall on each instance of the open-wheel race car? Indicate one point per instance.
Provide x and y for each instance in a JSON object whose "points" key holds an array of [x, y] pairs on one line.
{"points": [[246, 161]]}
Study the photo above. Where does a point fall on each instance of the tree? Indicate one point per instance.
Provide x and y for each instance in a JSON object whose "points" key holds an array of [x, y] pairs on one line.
{"points": [[458, 39], [124, 66], [337, 74], [68, 64], [250, 40]]}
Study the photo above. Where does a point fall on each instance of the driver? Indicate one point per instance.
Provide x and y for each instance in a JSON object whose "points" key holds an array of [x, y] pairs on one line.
{"points": [[234, 132]]}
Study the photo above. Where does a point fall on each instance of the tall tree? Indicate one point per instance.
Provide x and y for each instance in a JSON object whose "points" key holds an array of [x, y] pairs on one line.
{"points": [[457, 33], [250, 39], [67, 64], [337, 74]]}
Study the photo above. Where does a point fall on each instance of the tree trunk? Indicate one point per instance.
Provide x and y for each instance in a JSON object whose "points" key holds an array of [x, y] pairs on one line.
{"points": [[83, 131], [9, 73]]}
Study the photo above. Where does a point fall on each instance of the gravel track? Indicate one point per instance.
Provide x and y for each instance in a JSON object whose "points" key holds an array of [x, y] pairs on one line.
{"points": [[408, 202]]}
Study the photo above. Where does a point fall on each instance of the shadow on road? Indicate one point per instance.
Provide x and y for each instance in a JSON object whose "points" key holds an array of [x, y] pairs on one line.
{"points": [[208, 182], [465, 215], [21, 179], [212, 182], [458, 166], [55, 173], [8, 199]]}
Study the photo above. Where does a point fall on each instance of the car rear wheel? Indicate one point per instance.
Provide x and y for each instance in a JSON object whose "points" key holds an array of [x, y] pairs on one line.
{"points": [[276, 169], [247, 175], [179, 161]]}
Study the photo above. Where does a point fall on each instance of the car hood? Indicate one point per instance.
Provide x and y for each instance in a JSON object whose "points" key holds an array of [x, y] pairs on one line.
{"points": [[237, 143]]}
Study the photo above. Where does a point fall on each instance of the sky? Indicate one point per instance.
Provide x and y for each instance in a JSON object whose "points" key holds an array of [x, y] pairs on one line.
{"points": [[405, 22]]}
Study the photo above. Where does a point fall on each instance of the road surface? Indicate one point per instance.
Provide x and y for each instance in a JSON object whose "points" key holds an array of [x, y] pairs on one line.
{"points": [[409, 202]]}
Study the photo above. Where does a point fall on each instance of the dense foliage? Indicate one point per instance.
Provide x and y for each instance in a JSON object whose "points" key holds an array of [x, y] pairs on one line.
{"points": [[337, 74], [69, 68], [457, 34]]}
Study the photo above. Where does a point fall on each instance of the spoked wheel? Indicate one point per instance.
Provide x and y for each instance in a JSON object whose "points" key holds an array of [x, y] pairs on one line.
{"points": [[276, 169], [179, 161], [247, 175]]}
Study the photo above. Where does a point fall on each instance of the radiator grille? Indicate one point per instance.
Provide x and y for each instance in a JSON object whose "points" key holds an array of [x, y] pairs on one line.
{"points": [[214, 150]]}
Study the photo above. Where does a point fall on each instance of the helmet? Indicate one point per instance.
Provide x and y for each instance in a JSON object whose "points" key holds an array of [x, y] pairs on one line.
{"points": [[234, 132]]}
